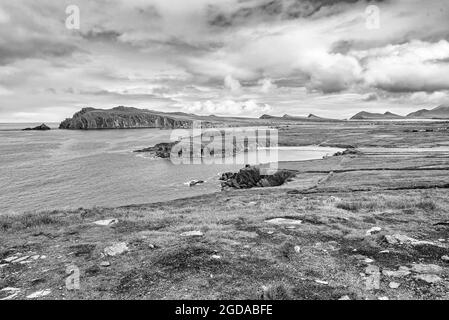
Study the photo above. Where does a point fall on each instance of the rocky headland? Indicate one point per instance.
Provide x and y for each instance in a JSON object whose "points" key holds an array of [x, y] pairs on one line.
{"points": [[127, 118]]}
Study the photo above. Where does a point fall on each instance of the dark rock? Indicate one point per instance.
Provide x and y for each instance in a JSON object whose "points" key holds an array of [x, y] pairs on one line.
{"points": [[349, 151], [250, 177], [42, 127]]}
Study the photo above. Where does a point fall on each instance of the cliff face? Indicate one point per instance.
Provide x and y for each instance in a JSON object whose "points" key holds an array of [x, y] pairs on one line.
{"points": [[123, 117]]}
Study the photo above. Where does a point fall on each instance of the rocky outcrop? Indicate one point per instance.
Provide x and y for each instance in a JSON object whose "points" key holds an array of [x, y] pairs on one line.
{"points": [[42, 127], [160, 150], [123, 118], [250, 177]]}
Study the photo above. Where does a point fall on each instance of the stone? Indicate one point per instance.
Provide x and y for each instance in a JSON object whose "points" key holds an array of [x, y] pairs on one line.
{"points": [[116, 249], [401, 272], [429, 278], [383, 298], [284, 221], [322, 282], [346, 297], [297, 249], [193, 183], [192, 234], [11, 259], [368, 260], [445, 258], [427, 268], [216, 257], [332, 199], [403, 239], [373, 230], [19, 260], [107, 222], [394, 285], [39, 294], [11, 293], [105, 264]]}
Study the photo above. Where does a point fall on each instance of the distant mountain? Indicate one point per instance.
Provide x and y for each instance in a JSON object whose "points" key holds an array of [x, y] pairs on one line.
{"points": [[287, 117], [376, 116], [441, 112]]}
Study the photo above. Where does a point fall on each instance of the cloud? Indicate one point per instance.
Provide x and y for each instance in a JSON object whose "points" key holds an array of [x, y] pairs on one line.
{"points": [[413, 66], [229, 107], [232, 84], [230, 57]]}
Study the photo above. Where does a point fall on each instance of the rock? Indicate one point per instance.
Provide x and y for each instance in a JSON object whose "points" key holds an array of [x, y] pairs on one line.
{"points": [[10, 292], [331, 200], [195, 182], [383, 298], [368, 260], [427, 268], [39, 294], [250, 177], [107, 222], [284, 221], [394, 285], [160, 150], [403, 239], [116, 249], [429, 278], [42, 127], [192, 234], [297, 249], [19, 260], [105, 264], [401, 272], [11, 259], [345, 298], [322, 282], [373, 230], [445, 258], [216, 257]]}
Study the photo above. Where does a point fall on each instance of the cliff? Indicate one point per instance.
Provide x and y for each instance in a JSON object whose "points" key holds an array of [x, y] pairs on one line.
{"points": [[124, 117]]}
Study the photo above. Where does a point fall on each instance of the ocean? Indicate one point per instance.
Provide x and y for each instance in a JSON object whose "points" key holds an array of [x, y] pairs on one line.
{"points": [[63, 169]]}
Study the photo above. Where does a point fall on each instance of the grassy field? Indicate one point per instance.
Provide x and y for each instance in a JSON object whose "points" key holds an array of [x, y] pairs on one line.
{"points": [[369, 226]]}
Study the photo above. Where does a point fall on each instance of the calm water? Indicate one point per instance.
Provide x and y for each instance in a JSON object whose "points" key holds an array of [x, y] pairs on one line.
{"points": [[71, 169]]}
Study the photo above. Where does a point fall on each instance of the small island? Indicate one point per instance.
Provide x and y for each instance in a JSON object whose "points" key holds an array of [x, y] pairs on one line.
{"points": [[42, 127]]}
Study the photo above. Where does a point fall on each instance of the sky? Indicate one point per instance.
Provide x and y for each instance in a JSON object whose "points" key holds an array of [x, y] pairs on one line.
{"points": [[332, 58]]}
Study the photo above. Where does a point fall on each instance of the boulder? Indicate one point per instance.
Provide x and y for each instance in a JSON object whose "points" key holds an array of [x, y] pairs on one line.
{"points": [[429, 278], [116, 249], [427, 268]]}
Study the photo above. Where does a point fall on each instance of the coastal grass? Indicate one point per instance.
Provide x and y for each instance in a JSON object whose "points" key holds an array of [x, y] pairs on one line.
{"points": [[240, 256]]}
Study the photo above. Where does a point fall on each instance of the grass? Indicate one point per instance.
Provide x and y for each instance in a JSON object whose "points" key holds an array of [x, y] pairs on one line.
{"points": [[379, 203], [256, 260]]}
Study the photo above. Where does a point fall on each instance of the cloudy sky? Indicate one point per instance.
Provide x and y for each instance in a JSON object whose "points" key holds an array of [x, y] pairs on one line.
{"points": [[223, 57]]}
